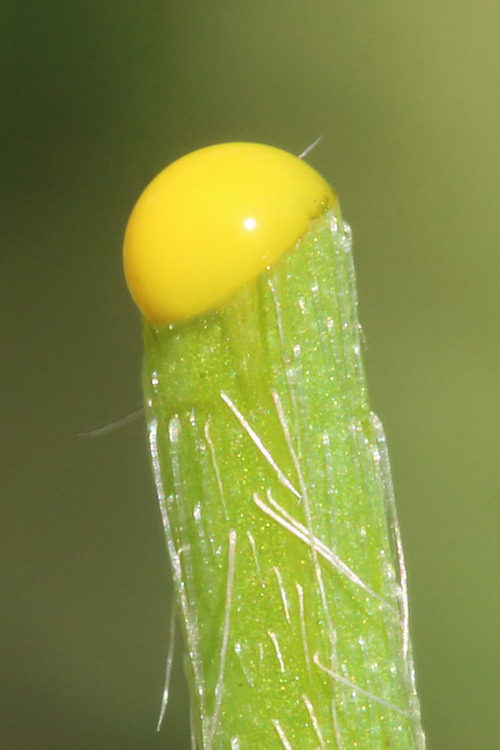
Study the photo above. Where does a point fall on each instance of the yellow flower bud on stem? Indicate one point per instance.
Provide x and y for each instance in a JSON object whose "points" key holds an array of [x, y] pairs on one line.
{"points": [[273, 478]]}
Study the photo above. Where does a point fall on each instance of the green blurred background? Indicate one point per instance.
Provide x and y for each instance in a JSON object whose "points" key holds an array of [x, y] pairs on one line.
{"points": [[96, 98]]}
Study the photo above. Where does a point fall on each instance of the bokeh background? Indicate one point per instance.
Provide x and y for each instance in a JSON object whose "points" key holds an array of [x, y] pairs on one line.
{"points": [[97, 96]]}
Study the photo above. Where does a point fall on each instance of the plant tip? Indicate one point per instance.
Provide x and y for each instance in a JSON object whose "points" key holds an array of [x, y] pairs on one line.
{"points": [[214, 220]]}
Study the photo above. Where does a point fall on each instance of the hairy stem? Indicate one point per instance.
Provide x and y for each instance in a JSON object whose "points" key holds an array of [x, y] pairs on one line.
{"points": [[275, 491]]}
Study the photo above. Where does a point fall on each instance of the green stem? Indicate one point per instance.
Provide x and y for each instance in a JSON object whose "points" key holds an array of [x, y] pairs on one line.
{"points": [[275, 491]]}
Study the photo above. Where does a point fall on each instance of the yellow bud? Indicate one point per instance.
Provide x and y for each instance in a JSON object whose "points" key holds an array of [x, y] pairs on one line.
{"points": [[213, 221]]}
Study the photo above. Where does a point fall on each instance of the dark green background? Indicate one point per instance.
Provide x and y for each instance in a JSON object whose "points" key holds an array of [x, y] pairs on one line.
{"points": [[96, 98]]}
